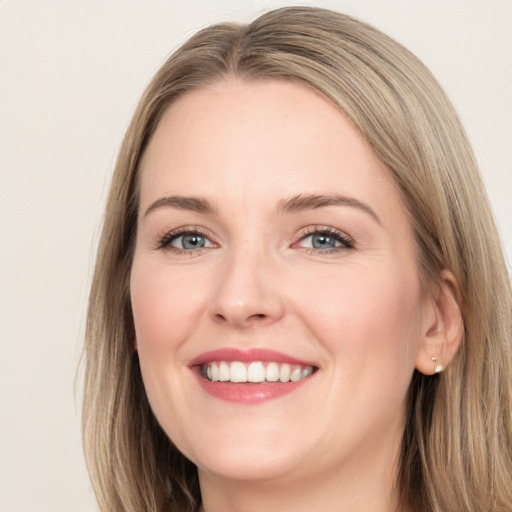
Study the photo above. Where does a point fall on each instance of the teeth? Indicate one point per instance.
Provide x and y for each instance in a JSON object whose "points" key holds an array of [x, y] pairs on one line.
{"points": [[255, 371], [272, 372], [284, 373], [215, 372], [224, 372], [306, 372], [238, 372], [295, 375]]}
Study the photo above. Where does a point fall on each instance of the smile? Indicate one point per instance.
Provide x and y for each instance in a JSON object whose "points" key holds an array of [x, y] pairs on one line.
{"points": [[250, 376], [256, 371]]}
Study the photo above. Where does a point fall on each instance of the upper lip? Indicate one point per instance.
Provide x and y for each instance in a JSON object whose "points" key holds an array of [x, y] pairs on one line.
{"points": [[247, 356]]}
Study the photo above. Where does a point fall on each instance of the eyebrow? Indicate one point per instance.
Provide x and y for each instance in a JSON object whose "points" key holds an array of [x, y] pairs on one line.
{"points": [[303, 202], [193, 204]]}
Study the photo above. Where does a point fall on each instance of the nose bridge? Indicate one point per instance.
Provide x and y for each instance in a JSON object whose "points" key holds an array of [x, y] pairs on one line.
{"points": [[246, 293]]}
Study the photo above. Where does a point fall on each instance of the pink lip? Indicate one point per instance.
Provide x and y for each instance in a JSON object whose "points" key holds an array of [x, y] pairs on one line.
{"points": [[246, 356], [246, 393]]}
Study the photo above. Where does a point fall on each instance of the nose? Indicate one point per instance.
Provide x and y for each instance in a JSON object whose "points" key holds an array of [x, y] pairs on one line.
{"points": [[247, 293]]}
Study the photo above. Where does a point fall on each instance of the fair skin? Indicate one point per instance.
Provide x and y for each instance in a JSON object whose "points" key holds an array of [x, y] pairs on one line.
{"points": [[233, 252]]}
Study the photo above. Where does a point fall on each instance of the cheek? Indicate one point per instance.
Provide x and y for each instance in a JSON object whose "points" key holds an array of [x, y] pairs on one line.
{"points": [[365, 317], [165, 310], [165, 306]]}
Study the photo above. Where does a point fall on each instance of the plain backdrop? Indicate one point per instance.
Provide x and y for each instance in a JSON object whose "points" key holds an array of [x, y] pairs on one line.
{"points": [[70, 75]]}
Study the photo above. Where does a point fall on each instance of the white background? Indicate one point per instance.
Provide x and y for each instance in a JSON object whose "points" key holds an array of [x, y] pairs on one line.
{"points": [[70, 75]]}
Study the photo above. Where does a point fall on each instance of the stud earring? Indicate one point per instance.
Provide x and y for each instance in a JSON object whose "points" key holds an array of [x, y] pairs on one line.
{"points": [[437, 367]]}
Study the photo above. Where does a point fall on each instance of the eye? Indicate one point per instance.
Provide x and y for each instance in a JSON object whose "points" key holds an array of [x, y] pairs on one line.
{"points": [[189, 241], [185, 241], [325, 240]]}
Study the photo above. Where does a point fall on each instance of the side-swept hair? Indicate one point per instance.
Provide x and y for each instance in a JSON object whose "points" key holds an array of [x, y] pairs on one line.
{"points": [[457, 445]]}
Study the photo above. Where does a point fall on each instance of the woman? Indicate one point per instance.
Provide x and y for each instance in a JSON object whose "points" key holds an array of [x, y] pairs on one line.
{"points": [[300, 299]]}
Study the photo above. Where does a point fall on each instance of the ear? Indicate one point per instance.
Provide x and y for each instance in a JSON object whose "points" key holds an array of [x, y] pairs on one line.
{"points": [[442, 327]]}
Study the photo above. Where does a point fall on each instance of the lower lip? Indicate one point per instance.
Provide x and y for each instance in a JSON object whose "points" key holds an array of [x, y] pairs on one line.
{"points": [[248, 392]]}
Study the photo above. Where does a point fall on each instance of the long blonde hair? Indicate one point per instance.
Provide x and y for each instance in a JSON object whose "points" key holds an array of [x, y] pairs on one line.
{"points": [[457, 446]]}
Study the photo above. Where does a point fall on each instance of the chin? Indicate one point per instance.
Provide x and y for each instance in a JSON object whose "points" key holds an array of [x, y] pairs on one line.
{"points": [[248, 466], [246, 455]]}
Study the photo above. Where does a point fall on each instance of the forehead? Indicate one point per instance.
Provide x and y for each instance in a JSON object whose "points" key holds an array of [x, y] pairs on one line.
{"points": [[235, 138]]}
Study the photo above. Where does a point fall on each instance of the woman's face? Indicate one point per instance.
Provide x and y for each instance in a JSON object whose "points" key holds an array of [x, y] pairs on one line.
{"points": [[272, 246]]}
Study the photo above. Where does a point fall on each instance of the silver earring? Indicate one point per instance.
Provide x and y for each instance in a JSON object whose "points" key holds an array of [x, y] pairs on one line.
{"points": [[437, 367]]}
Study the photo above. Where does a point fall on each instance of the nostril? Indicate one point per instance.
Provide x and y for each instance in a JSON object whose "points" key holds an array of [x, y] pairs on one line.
{"points": [[241, 319], [257, 317]]}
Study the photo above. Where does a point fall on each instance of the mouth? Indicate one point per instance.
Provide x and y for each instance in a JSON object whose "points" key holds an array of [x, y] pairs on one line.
{"points": [[256, 371], [250, 376]]}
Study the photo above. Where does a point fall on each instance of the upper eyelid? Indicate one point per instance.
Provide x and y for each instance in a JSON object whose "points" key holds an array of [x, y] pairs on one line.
{"points": [[184, 230], [319, 228], [311, 230], [163, 240]]}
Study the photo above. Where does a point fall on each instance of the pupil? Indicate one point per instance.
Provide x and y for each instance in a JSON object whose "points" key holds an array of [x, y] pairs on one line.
{"points": [[323, 242], [193, 241]]}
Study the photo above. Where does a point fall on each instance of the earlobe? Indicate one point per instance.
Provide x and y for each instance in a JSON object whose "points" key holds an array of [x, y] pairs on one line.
{"points": [[442, 328]]}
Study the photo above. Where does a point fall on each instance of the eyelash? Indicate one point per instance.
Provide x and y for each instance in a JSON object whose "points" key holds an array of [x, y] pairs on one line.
{"points": [[345, 241], [164, 242]]}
